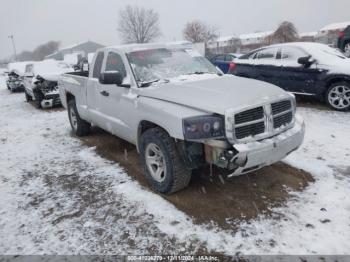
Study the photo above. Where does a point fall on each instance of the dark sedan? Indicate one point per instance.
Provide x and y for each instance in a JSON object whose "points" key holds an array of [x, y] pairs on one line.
{"points": [[301, 68]]}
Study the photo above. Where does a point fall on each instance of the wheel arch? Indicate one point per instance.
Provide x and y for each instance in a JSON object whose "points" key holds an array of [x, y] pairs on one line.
{"points": [[143, 126], [335, 79], [69, 96]]}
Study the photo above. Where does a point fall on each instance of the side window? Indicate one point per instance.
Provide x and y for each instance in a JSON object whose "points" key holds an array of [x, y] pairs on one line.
{"points": [[292, 53], [229, 58], [98, 65], [220, 58], [253, 55], [115, 63], [267, 54]]}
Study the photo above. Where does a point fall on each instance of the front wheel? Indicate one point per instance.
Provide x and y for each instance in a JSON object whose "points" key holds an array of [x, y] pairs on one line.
{"points": [[338, 96], [164, 169], [80, 127], [38, 99]]}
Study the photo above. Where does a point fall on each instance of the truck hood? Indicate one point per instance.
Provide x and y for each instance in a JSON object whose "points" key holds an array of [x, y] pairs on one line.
{"points": [[51, 77], [216, 95]]}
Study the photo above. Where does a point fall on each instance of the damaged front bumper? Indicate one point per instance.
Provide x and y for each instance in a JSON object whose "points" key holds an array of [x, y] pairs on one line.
{"points": [[50, 100], [248, 157]]}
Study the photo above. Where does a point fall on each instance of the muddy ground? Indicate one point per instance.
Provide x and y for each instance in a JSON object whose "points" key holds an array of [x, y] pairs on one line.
{"points": [[216, 198]]}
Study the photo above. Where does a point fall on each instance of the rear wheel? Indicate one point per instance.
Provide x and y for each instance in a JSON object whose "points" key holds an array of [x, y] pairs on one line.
{"points": [[338, 96], [163, 167], [80, 127]]}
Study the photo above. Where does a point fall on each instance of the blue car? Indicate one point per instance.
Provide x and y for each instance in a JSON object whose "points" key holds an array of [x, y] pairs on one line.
{"points": [[224, 61]]}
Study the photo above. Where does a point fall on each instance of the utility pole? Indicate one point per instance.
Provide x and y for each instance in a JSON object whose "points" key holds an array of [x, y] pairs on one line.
{"points": [[14, 47]]}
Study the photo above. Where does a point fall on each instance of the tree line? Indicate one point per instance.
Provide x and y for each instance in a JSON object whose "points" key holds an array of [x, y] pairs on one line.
{"points": [[140, 25]]}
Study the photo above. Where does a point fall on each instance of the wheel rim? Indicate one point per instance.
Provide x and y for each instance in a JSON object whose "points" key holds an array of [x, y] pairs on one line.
{"points": [[155, 162], [339, 97], [347, 49], [73, 119]]}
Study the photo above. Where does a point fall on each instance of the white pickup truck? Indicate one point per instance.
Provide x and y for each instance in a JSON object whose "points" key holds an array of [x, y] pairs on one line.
{"points": [[181, 112]]}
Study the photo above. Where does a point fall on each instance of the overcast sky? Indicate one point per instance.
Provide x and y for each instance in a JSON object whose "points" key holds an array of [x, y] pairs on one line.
{"points": [[33, 22]]}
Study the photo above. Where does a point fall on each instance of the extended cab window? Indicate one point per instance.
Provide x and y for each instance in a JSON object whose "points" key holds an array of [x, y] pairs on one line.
{"points": [[115, 63], [98, 65]]}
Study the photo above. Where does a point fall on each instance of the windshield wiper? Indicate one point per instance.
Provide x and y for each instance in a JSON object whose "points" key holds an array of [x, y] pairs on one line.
{"points": [[148, 83]]}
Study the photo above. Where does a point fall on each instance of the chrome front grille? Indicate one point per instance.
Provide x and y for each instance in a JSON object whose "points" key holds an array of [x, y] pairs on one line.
{"points": [[260, 122], [249, 115], [250, 130], [282, 120], [281, 106]]}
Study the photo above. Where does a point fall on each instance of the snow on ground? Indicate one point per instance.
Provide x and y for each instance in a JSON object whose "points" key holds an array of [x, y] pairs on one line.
{"points": [[59, 197]]}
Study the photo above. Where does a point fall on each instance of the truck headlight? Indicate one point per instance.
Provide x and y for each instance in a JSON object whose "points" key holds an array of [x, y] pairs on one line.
{"points": [[204, 127]]}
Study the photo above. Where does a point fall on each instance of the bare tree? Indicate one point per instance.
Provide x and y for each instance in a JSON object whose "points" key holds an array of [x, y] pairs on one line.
{"points": [[39, 52], [138, 25], [286, 32], [198, 32]]}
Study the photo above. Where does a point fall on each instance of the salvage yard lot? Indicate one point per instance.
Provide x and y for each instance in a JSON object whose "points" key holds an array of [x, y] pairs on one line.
{"points": [[64, 195]]}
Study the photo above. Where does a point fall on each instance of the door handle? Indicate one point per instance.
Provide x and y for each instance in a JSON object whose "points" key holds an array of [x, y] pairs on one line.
{"points": [[104, 93]]}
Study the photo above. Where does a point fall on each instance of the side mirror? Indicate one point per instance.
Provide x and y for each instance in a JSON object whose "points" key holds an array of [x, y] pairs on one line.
{"points": [[111, 78], [305, 61]]}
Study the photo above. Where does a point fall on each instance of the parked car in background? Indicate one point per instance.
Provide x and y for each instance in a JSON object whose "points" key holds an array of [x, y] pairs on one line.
{"points": [[40, 82], [15, 75], [344, 41], [14, 81], [224, 61], [181, 112], [301, 68]]}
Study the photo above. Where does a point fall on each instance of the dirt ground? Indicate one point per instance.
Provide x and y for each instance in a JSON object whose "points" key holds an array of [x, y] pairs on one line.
{"points": [[213, 199]]}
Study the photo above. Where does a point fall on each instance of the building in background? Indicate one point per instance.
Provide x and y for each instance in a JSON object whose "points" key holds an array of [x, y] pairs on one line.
{"points": [[329, 34], [238, 44], [75, 51], [308, 36]]}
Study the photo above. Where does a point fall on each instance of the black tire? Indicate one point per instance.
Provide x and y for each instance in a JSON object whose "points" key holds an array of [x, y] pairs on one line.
{"points": [[38, 99], [81, 128], [28, 97], [328, 96], [346, 49], [177, 176]]}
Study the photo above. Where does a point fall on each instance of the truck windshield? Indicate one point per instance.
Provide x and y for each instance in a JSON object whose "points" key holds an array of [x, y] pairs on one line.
{"points": [[151, 66]]}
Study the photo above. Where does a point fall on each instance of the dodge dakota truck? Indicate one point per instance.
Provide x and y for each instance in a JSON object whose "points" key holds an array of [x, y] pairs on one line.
{"points": [[181, 112]]}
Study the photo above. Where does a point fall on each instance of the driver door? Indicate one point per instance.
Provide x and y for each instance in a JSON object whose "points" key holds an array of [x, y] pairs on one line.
{"points": [[295, 77], [115, 103]]}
